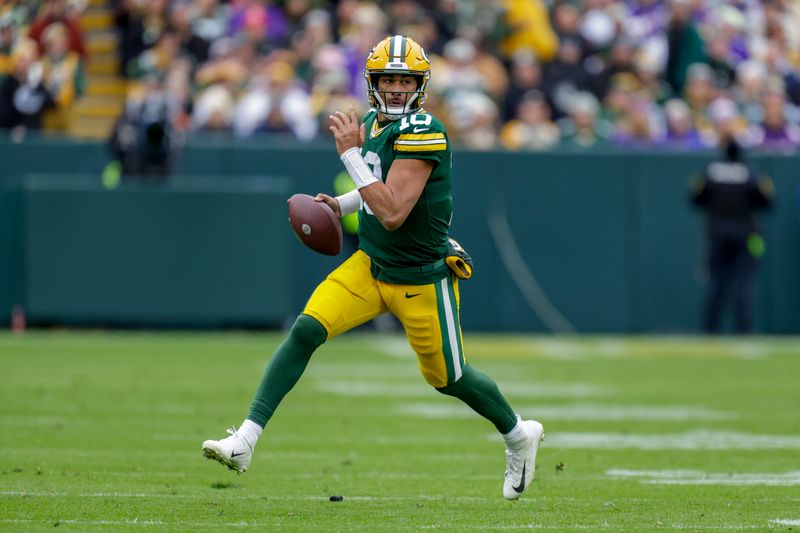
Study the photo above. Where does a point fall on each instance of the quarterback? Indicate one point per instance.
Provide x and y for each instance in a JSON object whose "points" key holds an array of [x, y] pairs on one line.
{"points": [[400, 161]]}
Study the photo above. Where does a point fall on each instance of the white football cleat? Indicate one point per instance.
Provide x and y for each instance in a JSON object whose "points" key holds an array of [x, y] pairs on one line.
{"points": [[521, 461], [233, 451]]}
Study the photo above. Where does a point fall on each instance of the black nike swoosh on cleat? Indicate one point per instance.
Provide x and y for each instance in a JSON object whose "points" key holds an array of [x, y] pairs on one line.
{"points": [[413, 295], [242, 453], [521, 488]]}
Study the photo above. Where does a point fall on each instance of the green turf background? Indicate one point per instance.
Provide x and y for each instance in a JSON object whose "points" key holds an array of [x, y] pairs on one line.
{"points": [[102, 432]]}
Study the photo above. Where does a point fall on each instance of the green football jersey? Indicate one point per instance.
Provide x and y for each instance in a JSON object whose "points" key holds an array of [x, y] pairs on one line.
{"points": [[414, 253]]}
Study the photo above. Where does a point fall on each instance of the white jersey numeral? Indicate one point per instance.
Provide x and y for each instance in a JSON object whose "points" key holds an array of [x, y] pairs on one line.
{"points": [[415, 120], [374, 161]]}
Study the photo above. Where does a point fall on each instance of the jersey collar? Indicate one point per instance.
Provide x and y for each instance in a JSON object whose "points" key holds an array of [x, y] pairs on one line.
{"points": [[374, 130]]}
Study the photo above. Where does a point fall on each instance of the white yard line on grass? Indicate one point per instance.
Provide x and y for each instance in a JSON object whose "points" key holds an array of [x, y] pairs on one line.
{"points": [[476, 527], [613, 348], [136, 495], [576, 412], [690, 440], [605, 526], [418, 389], [787, 522], [141, 523], [699, 477]]}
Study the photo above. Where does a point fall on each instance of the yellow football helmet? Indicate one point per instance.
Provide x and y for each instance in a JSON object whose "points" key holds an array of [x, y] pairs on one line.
{"points": [[397, 54]]}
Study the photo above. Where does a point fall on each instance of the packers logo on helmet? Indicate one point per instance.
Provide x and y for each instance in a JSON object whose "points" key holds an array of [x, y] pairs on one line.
{"points": [[397, 54]]}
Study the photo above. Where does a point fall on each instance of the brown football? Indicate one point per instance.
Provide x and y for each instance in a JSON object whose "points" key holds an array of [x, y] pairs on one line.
{"points": [[315, 224]]}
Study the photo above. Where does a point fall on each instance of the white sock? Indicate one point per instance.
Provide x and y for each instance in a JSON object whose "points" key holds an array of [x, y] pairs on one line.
{"points": [[516, 435], [250, 431]]}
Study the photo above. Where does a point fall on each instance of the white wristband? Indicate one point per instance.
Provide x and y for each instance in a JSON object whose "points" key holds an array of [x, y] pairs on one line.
{"points": [[349, 202], [358, 168]]}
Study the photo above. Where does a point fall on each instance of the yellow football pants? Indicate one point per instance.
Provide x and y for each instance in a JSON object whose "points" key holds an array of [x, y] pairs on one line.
{"points": [[350, 296]]}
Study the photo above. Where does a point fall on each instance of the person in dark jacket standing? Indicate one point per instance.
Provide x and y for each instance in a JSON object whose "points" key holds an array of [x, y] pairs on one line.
{"points": [[732, 195]]}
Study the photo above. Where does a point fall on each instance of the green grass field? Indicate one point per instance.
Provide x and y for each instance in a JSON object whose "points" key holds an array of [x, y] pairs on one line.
{"points": [[102, 432]]}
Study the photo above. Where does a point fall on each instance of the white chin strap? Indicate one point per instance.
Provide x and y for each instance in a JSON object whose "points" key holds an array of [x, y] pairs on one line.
{"points": [[394, 113]]}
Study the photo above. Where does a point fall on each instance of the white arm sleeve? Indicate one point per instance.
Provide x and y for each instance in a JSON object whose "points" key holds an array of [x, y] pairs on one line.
{"points": [[349, 202], [358, 168]]}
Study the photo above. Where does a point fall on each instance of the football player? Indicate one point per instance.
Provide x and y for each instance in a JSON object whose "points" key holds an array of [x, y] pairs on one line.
{"points": [[400, 161]]}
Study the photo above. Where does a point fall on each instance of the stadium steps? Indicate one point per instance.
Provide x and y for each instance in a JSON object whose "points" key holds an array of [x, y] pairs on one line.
{"points": [[105, 85], [101, 42], [97, 18], [103, 100]]}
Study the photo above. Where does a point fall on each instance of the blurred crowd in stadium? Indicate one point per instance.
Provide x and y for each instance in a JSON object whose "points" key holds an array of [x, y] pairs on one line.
{"points": [[519, 74]]}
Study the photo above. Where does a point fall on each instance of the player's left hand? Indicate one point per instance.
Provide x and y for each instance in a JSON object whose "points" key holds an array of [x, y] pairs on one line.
{"points": [[347, 131]]}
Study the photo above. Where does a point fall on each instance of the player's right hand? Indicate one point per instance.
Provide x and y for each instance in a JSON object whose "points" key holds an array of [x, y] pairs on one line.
{"points": [[347, 131], [332, 202]]}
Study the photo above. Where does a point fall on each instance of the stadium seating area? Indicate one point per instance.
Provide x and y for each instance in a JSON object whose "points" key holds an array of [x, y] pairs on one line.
{"points": [[518, 74]]}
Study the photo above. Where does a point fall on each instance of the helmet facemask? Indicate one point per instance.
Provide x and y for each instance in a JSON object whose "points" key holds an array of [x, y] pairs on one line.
{"points": [[379, 99]]}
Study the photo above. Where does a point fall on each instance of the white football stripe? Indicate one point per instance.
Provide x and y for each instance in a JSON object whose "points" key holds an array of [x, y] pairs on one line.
{"points": [[451, 330], [397, 45]]}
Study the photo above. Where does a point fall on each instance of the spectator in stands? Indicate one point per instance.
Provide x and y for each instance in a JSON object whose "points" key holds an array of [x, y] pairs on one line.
{"points": [[367, 25], [775, 132], [718, 50], [213, 53], [63, 77], [231, 63], [158, 59], [599, 26], [725, 122], [564, 76], [474, 119], [55, 11], [142, 139], [566, 23], [650, 82], [620, 61], [213, 110], [278, 104], [778, 65], [699, 92], [128, 24], [532, 129], [191, 45], [312, 44], [684, 43], [7, 40], [403, 13], [526, 75], [750, 84], [211, 19], [641, 125], [23, 95], [620, 95], [262, 24], [583, 128], [458, 73], [681, 133], [529, 29], [331, 93]]}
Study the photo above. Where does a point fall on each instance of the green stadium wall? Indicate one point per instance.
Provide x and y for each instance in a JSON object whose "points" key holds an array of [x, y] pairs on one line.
{"points": [[610, 238]]}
